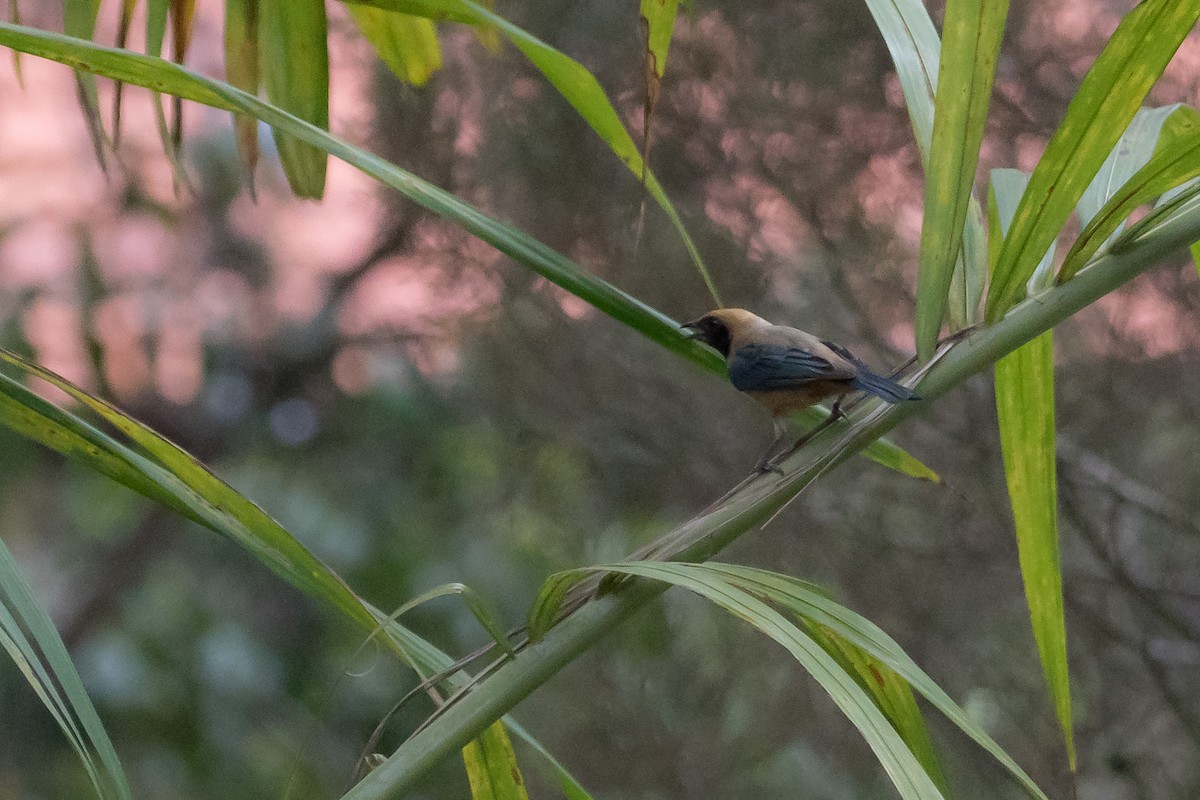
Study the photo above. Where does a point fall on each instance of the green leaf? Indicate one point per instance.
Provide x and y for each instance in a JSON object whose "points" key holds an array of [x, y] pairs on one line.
{"points": [[46, 664], [242, 71], [972, 32], [1025, 409], [522, 248], [1106, 102], [905, 771], [484, 614], [1171, 165], [891, 693], [913, 44], [812, 603], [164, 473], [79, 20], [407, 44], [157, 12], [658, 18], [1130, 154], [571, 788], [1005, 191], [294, 55], [577, 86], [492, 767]]}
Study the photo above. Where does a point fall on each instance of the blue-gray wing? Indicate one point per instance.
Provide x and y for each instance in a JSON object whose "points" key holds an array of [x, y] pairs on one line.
{"points": [[773, 367]]}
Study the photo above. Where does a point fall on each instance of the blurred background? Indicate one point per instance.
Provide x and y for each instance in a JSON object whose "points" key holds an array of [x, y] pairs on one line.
{"points": [[417, 410]]}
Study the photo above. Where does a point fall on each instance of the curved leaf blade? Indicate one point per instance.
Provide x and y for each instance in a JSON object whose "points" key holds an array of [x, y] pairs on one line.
{"points": [[1109, 97], [492, 767], [529, 252], [901, 765], [577, 86], [1172, 165], [295, 72], [47, 666], [972, 35], [1024, 387], [407, 44]]}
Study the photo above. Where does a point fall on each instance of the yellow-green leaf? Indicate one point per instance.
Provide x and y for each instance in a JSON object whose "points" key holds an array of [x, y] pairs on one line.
{"points": [[972, 34], [1106, 102], [294, 56], [1176, 162], [242, 70], [79, 20], [1025, 410], [492, 767], [577, 86], [891, 693], [407, 44]]}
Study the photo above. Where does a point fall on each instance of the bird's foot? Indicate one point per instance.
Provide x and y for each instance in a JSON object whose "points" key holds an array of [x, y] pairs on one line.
{"points": [[766, 465]]}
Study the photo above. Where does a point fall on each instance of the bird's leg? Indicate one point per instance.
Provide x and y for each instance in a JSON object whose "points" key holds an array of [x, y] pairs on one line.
{"points": [[835, 413], [766, 463]]}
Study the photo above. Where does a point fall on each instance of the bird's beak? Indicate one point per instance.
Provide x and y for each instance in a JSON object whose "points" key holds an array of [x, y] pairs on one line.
{"points": [[691, 330]]}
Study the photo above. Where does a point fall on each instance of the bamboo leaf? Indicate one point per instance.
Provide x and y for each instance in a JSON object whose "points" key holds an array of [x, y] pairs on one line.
{"points": [[407, 44], [524, 249], [891, 693], [1024, 385], [79, 20], [913, 44], [157, 12], [242, 71], [901, 765], [1106, 102], [972, 34], [47, 666], [492, 767], [1129, 155], [294, 56], [812, 603], [1025, 407], [577, 86], [1171, 166], [658, 21]]}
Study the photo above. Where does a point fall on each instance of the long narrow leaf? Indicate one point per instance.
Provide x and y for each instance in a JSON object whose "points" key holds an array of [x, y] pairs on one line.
{"points": [[812, 603], [492, 767], [79, 20], [972, 35], [1130, 154], [294, 55], [577, 86], [242, 71], [53, 675], [1024, 386], [892, 694], [913, 44], [905, 771], [1170, 166], [1111, 93], [407, 44], [522, 248]]}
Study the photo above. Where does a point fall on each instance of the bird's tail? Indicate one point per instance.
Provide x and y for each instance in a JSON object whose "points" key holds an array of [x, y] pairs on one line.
{"points": [[882, 387]]}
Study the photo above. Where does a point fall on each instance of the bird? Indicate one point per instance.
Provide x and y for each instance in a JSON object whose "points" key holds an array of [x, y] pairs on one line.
{"points": [[786, 369]]}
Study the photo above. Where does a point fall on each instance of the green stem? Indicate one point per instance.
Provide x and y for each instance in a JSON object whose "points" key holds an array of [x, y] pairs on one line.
{"points": [[703, 537]]}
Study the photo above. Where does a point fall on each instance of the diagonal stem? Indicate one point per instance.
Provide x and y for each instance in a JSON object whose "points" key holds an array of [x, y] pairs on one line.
{"points": [[703, 537]]}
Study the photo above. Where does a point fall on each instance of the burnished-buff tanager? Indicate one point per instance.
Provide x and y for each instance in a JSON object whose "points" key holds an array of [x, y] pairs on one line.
{"points": [[785, 368]]}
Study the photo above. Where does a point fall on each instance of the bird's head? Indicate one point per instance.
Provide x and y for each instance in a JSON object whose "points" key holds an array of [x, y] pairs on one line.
{"points": [[717, 329]]}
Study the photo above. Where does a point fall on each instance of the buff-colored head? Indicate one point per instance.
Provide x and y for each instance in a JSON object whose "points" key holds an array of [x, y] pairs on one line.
{"points": [[720, 328]]}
